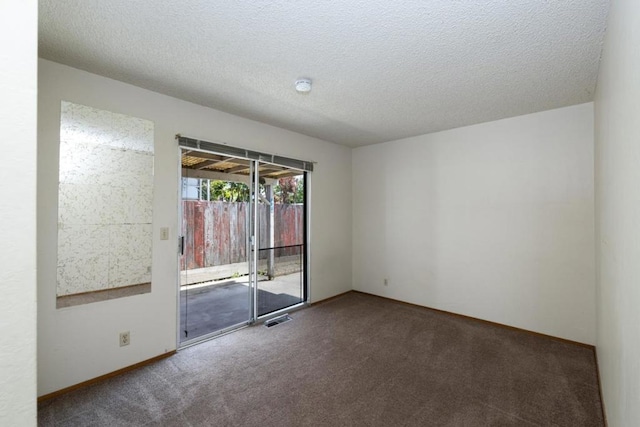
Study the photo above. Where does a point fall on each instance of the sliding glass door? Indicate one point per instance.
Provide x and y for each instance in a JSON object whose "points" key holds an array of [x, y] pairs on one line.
{"points": [[243, 245]]}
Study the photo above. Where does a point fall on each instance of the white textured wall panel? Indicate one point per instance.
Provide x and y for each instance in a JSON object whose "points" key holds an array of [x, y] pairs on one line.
{"points": [[18, 86], [493, 221], [618, 215]]}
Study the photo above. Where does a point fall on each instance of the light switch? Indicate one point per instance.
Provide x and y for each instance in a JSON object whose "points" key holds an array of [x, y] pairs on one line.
{"points": [[164, 233]]}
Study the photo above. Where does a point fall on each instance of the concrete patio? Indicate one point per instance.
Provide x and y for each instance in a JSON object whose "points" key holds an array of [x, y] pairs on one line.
{"points": [[210, 306]]}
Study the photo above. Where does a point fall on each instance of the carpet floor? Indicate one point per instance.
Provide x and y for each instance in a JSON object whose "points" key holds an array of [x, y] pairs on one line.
{"points": [[357, 360]]}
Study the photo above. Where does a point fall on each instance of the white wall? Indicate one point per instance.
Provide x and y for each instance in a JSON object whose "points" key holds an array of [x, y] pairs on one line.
{"points": [[81, 342], [617, 124], [18, 86], [493, 221]]}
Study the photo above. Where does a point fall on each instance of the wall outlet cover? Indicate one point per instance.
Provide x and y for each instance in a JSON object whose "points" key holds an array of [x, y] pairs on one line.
{"points": [[125, 338]]}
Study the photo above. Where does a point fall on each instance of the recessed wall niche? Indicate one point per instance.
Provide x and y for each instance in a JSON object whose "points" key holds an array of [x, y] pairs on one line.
{"points": [[105, 203]]}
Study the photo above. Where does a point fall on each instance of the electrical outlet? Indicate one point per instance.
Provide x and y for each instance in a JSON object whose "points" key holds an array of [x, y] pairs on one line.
{"points": [[125, 338], [386, 281]]}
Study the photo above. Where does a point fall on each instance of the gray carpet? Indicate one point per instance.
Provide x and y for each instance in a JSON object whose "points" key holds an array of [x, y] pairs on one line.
{"points": [[356, 360]]}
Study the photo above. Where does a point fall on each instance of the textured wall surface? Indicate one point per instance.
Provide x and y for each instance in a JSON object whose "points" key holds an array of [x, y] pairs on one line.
{"points": [[382, 70], [493, 221], [105, 200], [617, 175], [18, 86]]}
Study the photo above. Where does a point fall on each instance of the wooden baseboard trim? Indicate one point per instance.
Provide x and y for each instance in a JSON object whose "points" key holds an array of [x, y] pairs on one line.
{"points": [[501, 325], [604, 413], [104, 377], [322, 301]]}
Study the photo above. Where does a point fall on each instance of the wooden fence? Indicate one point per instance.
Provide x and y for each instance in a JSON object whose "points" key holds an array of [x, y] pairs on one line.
{"points": [[215, 232]]}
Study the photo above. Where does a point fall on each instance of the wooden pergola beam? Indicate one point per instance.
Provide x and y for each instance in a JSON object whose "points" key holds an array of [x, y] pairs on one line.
{"points": [[221, 176], [214, 163], [237, 169]]}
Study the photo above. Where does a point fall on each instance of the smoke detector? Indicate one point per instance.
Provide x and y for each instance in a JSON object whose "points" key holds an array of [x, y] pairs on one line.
{"points": [[303, 85]]}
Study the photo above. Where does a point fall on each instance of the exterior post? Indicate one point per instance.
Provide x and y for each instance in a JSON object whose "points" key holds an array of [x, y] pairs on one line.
{"points": [[270, 232]]}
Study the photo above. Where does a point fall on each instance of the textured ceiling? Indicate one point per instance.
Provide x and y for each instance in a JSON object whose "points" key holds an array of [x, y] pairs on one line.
{"points": [[381, 70]]}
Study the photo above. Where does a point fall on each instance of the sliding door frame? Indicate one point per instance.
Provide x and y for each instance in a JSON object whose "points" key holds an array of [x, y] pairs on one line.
{"points": [[252, 241], [305, 254]]}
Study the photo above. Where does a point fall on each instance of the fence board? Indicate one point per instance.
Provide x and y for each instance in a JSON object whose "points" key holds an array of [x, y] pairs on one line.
{"points": [[208, 233], [215, 232]]}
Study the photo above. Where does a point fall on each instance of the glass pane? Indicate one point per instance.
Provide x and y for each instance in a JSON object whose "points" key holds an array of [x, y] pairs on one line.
{"points": [[214, 280], [281, 263]]}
